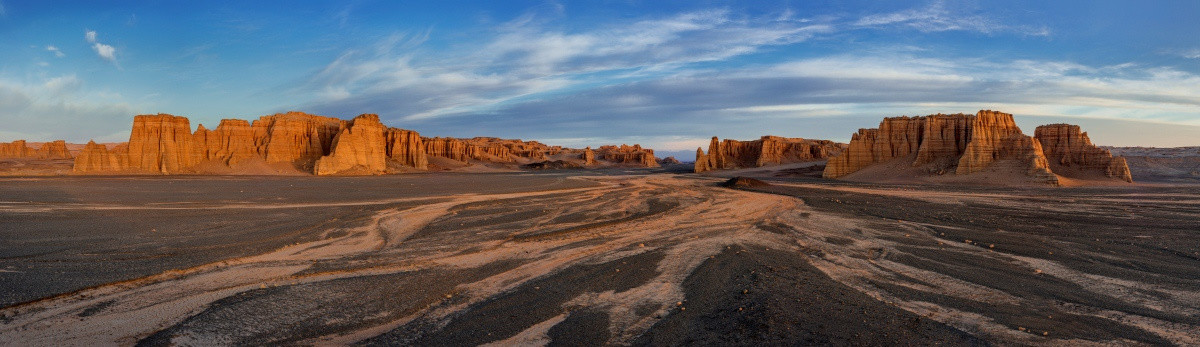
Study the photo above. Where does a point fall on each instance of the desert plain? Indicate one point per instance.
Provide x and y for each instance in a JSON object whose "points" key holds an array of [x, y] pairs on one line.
{"points": [[616, 256]]}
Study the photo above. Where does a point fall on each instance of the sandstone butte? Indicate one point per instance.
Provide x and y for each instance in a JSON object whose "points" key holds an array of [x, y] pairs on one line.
{"points": [[48, 150], [1070, 153], [165, 144], [768, 150], [963, 144]]}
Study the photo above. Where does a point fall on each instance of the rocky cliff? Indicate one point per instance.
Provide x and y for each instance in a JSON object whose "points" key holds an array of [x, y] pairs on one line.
{"points": [[627, 155], [589, 156], [963, 144], [1070, 153], [96, 158], [768, 150], [48, 150], [164, 144], [359, 148]]}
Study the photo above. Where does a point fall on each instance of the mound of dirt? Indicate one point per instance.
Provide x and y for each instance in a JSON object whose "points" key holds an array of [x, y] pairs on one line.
{"points": [[744, 182]]}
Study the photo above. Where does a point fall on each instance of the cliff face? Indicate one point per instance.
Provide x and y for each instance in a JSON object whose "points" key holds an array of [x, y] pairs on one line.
{"points": [[589, 156], [48, 150], [161, 143], [96, 158], [165, 144], [965, 144], [768, 150], [1070, 152], [628, 155]]}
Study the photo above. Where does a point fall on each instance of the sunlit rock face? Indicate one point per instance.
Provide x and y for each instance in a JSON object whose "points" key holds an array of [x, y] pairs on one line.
{"points": [[768, 150]]}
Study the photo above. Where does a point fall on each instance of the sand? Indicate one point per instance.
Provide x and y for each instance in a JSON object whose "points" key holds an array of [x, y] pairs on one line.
{"points": [[612, 257]]}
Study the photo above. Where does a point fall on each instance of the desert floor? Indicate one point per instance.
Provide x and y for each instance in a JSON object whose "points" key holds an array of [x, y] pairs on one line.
{"points": [[582, 257]]}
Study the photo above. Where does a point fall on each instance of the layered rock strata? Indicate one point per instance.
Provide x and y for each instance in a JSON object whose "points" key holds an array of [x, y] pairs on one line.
{"points": [[964, 144], [628, 155], [164, 144], [768, 150], [1069, 151], [49, 150]]}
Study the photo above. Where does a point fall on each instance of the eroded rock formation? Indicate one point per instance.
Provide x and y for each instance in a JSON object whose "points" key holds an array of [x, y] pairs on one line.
{"points": [[1070, 153], [48, 150], [165, 144], [628, 155], [589, 156], [359, 148], [96, 158], [768, 150], [964, 144]]}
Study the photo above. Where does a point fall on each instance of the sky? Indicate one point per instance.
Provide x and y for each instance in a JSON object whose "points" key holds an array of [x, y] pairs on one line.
{"points": [[665, 74]]}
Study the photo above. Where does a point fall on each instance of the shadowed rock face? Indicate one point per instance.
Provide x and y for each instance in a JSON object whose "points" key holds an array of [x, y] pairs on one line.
{"points": [[359, 147], [768, 150], [958, 143], [1070, 151]]}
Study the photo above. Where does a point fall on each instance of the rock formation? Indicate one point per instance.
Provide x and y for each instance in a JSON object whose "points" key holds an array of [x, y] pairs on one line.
{"points": [[406, 148], [768, 150], [668, 161], [628, 155], [964, 144], [360, 148], [1070, 153], [96, 158], [164, 144], [48, 150], [53, 150], [589, 156], [16, 149]]}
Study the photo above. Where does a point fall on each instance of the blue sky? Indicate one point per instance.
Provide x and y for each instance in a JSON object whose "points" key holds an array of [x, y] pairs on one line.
{"points": [[666, 74]]}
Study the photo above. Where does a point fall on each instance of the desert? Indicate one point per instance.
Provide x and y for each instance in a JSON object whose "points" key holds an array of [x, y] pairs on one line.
{"points": [[572, 173]]}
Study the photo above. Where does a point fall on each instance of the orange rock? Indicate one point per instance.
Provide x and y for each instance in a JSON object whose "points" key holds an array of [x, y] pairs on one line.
{"points": [[406, 148], [231, 142], [295, 137], [161, 143], [359, 148], [54, 150], [96, 158], [16, 149], [589, 156], [767, 150], [957, 143], [1071, 153], [628, 155]]}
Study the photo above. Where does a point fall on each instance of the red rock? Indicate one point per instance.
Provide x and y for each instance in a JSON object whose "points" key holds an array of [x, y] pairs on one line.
{"points": [[295, 137], [768, 150], [589, 156], [54, 150], [1071, 153], [406, 147], [359, 148], [957, 143], [16, 149], [95, 158], [628, 155], [161, 143]]}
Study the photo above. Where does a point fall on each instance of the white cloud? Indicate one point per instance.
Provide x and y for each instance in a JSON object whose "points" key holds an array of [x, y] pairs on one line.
{"points": [[936, 17], [105, 52], [3, 12], [57, 52], [1191, 54], [60, 108]]}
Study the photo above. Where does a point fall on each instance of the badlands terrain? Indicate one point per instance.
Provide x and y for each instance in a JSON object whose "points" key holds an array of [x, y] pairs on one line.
{"points": [[300, 229], [619, 256]]}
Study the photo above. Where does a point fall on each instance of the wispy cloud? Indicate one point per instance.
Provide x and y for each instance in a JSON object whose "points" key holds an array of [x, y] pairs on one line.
{"points": [[936, 17], [525, 58], [57, 52], [1193, 53], [38, 110], [105, 52], [3, 12]]}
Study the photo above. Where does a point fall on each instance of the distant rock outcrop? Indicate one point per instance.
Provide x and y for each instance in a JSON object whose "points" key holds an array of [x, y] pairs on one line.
{"points": [[551, 165], [48, 150], [1070, 152], [668, 161], [628, 155], [96, 158], [960, 144], [768, 150], [164, 144], [589, 156]]}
